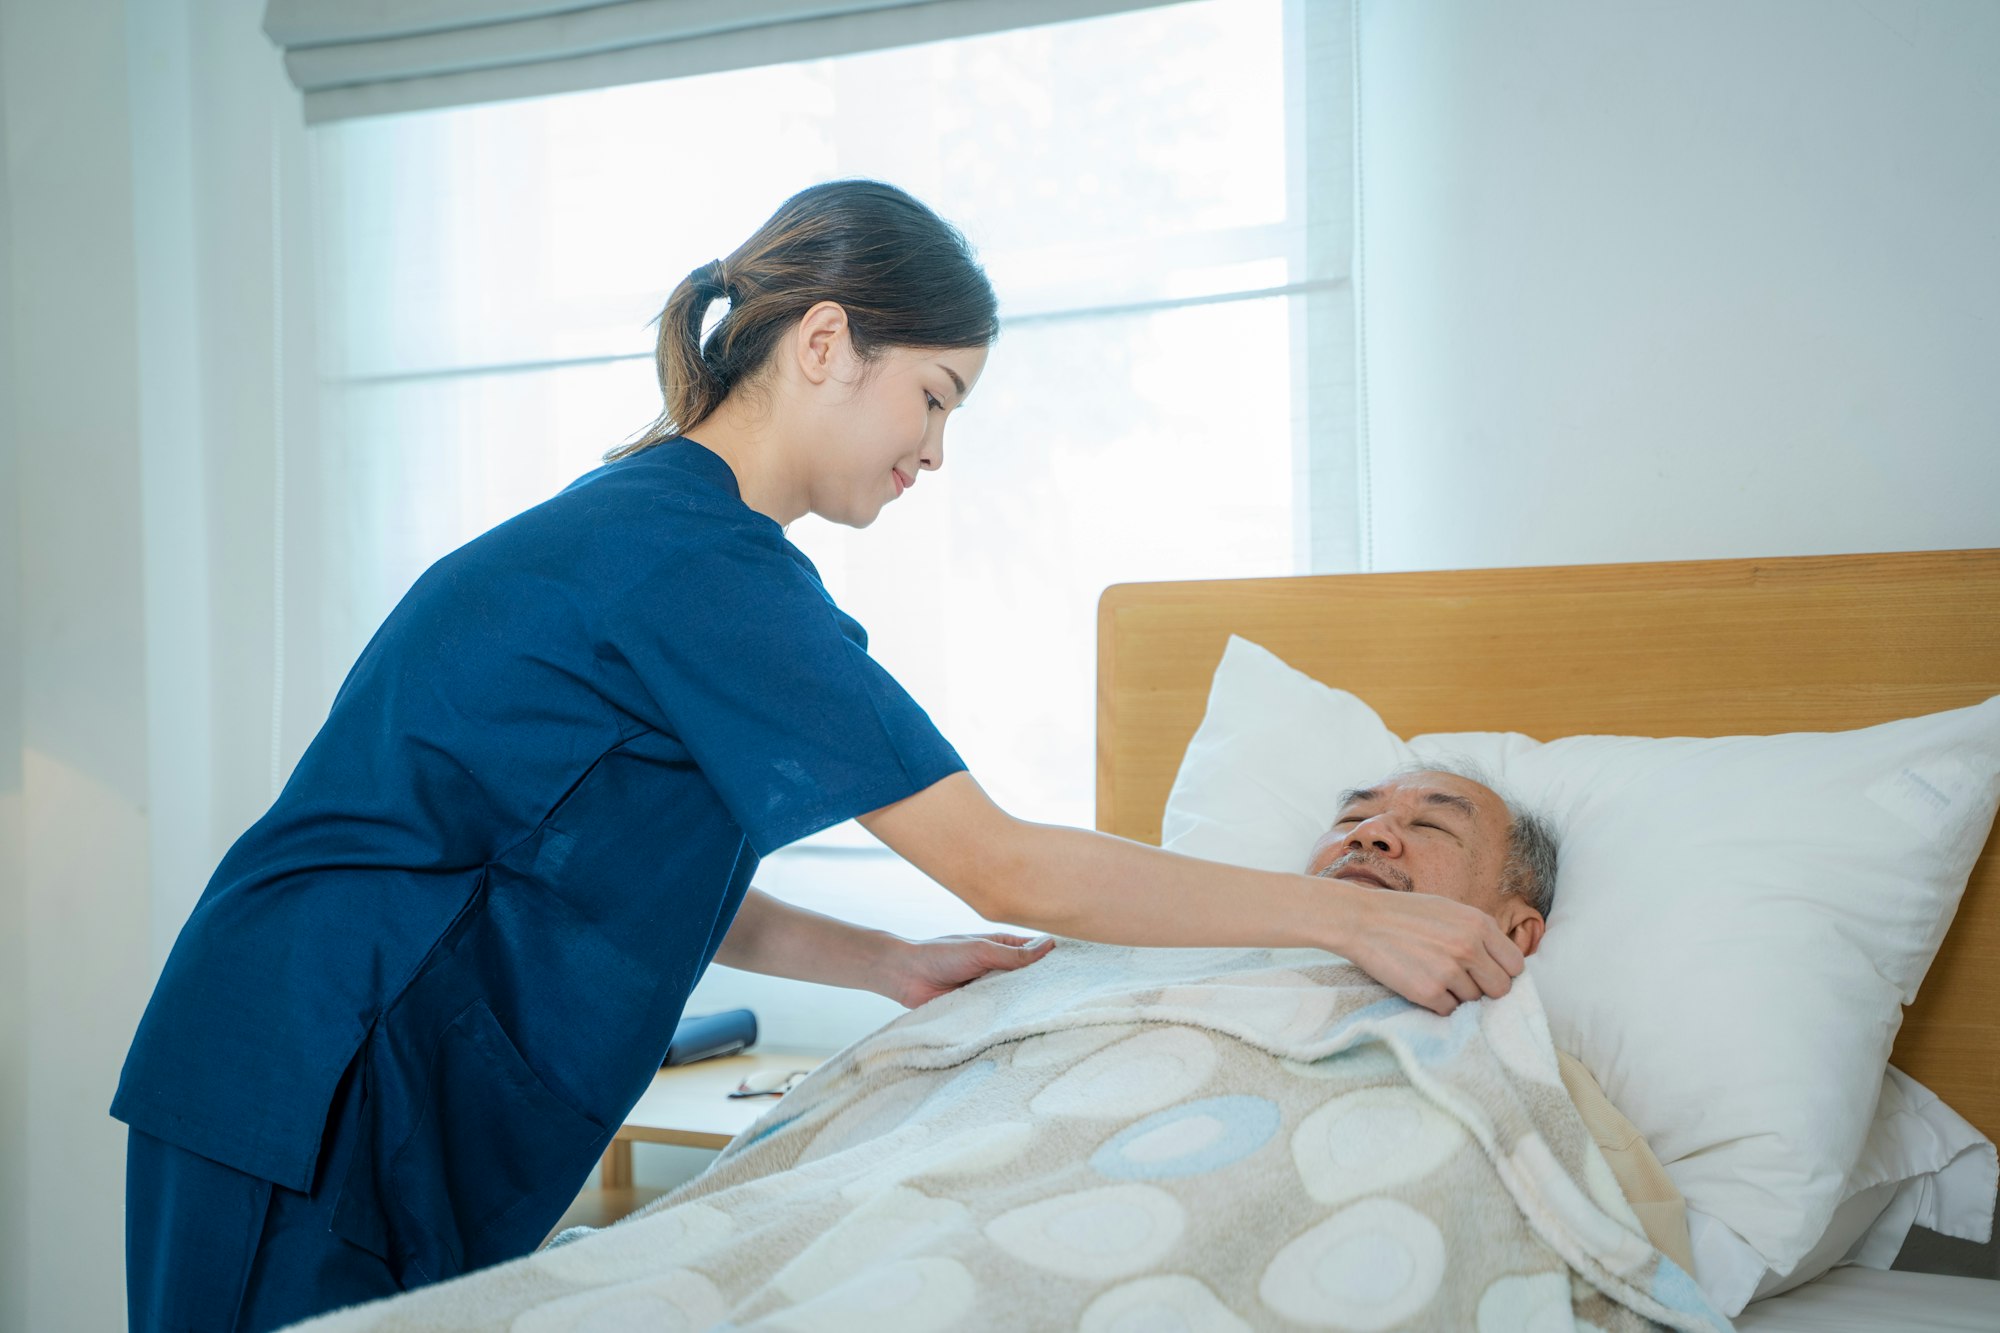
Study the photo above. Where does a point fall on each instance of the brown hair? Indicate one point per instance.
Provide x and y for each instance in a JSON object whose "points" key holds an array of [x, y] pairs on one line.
{"points": [[905, 277]]}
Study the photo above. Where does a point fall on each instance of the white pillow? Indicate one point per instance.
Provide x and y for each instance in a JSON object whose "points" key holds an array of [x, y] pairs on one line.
{"points": [[1737, 924], [1922, 1165]]}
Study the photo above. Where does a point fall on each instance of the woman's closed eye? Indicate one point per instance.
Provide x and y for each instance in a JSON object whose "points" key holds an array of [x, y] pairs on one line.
{"points": [[931, 398]]}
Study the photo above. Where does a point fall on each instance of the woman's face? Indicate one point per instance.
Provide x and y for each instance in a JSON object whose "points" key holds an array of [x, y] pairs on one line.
{"points": [[882, 425]]}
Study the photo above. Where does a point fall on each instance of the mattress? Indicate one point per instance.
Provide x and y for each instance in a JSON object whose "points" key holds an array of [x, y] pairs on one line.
{"points": [[1865, 1300]]}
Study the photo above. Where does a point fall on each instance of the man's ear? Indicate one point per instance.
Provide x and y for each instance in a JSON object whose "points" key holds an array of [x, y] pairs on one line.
{"points": [[1526, 931]]}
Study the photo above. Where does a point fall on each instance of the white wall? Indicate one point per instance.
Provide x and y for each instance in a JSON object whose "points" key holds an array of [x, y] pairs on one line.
{"points": [[141, 240], [83, 755], [1679, 281], [13, 829]]}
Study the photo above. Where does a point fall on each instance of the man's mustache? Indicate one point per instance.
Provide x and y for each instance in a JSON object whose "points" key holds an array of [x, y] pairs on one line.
{"points": [[1375, 866]]}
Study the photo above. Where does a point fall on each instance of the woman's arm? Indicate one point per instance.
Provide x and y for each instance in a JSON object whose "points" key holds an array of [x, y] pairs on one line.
{"points": [[1097, 887], [780, 940]]}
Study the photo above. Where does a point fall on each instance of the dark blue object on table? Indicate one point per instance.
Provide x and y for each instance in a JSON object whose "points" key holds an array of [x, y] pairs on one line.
{"points": [[708, 1035]]}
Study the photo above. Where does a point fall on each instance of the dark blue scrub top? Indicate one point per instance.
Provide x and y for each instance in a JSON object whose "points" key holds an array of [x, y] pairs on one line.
{"points": [[518, 839]]}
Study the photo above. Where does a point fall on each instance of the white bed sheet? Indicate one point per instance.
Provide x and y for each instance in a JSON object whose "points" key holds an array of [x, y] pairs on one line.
{"points": [[1867, 1300]]}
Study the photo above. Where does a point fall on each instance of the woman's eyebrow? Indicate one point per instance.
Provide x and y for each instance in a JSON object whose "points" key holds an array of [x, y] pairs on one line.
{"points": [[957, 383]]}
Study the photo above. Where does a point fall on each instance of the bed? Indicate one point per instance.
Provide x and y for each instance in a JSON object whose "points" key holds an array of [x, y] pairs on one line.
{"points": [[1706, 648]]}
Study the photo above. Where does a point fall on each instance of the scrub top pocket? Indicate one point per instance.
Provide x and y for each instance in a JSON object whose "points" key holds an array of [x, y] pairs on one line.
{"points": [[491, 1161]]}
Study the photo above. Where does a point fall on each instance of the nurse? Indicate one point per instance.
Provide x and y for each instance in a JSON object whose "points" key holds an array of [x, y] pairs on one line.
{"points": [[420, 994]]}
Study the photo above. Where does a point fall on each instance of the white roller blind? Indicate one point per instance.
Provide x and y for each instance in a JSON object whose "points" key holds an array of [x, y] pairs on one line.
{"points": [[366, 59]]}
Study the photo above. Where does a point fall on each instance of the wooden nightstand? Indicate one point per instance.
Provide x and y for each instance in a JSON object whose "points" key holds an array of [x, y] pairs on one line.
{"points": [[690, 1105]]}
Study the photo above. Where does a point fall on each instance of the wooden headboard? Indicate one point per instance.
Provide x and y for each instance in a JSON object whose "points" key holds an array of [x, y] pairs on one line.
{"points": [[1701, 648]]}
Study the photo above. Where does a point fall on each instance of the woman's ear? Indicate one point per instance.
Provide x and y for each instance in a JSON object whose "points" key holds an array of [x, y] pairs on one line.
{"points": [[1527, 930], [821, 341]]}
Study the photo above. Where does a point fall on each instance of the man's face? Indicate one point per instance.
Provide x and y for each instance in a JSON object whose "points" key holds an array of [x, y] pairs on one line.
{"points": [[1433, 833]]}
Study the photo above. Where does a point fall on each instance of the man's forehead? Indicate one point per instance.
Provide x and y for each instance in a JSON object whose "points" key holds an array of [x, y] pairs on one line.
{"points": [[1444, 790]]}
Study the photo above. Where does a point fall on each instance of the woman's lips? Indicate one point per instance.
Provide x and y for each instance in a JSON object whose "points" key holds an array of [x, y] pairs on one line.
{"points": [[902, 482]]}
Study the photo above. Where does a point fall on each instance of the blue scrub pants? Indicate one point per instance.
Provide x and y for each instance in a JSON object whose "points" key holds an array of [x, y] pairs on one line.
{"points": [[209, 1249]]}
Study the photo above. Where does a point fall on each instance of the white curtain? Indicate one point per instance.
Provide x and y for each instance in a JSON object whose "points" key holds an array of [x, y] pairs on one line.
{"points": [[373, 57]]}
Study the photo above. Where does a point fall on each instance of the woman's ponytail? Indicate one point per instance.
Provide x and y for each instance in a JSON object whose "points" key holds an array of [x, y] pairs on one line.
{"points": [[905, 277], [693, 388]]}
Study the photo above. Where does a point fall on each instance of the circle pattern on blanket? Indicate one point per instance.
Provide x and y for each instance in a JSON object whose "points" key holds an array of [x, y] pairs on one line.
{"points": [[1367, 1267], [983, 1148], [1527, 1303], [635, 1245], [860, 1155], [895, 1225], [1140, 1074], [923, 1295], [1278, 1006], [1517, 1034], [1110, 1232], [966, 1082], [1364, 1063], [1371, 1140], [672, 1302], [1172, 1304], [869, 1118], [1190, 1139], [1067, 1045]]}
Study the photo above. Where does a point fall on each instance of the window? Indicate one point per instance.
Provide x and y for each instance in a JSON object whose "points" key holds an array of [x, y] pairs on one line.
{"points": [[1159, 404]]}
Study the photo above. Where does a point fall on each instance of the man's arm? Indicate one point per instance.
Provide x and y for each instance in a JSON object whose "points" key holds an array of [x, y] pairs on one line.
{"points": [[1094, 886]]}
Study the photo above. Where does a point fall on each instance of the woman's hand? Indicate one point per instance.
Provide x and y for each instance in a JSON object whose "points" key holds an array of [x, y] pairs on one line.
{"points": [[1431, 951], [926, 969], [781, 940]]}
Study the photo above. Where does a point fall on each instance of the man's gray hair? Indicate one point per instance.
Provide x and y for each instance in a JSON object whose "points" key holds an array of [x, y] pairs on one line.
{"points": [[1531, 859], [1530, 867]]}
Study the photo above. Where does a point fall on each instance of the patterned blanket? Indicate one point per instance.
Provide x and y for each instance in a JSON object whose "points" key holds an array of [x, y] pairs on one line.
{"points": [[1117, 1140]]}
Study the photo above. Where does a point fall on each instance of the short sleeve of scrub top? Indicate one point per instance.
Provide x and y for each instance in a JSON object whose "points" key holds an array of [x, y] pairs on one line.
{"points": [[747, 661]]}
